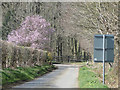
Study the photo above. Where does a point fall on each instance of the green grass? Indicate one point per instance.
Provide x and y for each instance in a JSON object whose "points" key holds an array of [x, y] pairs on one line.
{"points": [[88, 79], [10, 76]]}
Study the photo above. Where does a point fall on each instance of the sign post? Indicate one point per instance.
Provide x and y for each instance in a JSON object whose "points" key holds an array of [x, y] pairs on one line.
{"points": [[103, 50], [103, 59]]}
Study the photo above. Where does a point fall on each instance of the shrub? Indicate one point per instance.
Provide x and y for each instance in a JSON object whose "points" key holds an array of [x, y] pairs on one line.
{"points": [[17, 56]]}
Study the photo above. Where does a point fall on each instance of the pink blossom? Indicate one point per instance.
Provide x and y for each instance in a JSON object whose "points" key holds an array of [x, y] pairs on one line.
{"points": [[33, 32]]}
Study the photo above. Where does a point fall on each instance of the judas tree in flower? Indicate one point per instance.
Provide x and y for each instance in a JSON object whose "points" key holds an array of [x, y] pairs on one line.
{"points": [[33, 32]]}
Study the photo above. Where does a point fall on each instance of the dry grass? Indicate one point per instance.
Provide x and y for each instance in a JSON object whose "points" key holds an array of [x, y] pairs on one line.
{"points": [[111, 75]]}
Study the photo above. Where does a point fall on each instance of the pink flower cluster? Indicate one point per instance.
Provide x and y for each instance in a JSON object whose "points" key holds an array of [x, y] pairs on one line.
{"points": [[34, 32]]}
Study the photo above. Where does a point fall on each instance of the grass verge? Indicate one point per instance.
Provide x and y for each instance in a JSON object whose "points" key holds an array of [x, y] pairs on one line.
{"points": [[20, 74], [88, 79]]}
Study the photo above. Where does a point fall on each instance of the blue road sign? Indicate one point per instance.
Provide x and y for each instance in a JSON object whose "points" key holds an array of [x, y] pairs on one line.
{"points": [[108, 48]]}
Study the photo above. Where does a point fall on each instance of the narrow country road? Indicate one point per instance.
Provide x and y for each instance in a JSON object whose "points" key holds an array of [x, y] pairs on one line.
{"points": [[66, 76]]}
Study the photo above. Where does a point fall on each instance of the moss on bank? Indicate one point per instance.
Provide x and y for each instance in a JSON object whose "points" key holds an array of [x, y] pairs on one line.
{"points": [[21, 74]]}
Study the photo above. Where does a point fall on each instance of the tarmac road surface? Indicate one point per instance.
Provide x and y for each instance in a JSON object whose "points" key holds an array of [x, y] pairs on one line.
{"points": [[66, 76]]}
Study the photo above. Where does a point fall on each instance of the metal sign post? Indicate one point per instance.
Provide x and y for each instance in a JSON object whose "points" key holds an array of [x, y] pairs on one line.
{"points": [[103, 59], [104, 50]]}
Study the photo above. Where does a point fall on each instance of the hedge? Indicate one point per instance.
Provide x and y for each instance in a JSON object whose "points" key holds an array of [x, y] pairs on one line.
{"points": [[19, 56]]}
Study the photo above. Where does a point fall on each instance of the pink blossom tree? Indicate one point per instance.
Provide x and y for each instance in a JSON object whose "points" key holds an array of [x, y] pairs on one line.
{"points": [[33, 32]]}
